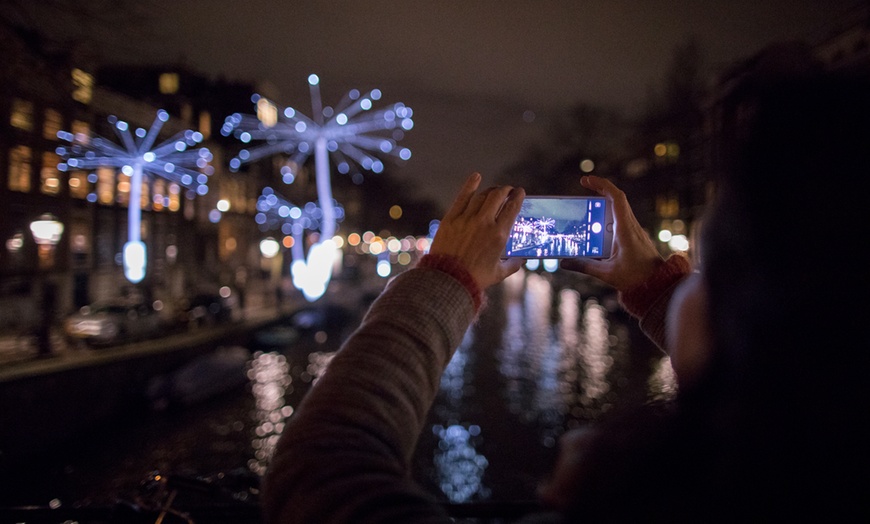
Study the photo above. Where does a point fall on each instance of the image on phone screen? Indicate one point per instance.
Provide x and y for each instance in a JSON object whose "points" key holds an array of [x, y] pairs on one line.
{"points": [[561, 227]]}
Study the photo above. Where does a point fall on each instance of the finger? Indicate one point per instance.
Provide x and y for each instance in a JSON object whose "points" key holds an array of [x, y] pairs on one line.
{"points": [[511, 266], [466, 192], [511, 207], [606, 188], [592, 267], [495, 200], [477, 201]]}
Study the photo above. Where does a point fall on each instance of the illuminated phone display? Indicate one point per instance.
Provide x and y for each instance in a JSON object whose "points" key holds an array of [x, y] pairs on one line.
{"points": [[561, 227]]}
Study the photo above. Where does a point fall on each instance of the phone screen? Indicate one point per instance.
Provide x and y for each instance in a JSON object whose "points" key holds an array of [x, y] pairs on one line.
{"points": [[561, 227]]}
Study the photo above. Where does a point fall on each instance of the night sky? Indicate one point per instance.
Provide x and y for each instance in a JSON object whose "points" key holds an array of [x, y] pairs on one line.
{"points": [[470, 70]]}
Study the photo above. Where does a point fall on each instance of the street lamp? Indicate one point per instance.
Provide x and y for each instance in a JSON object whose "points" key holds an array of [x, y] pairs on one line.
{"points": [[269, 247], [46, 230]]}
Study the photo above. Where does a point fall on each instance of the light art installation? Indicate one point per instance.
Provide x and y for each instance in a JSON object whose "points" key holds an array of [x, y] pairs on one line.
{"points": [[276, 212], [352, 133], [173, 160]]}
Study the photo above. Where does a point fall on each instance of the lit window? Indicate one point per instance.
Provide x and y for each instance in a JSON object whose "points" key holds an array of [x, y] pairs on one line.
{"points": [[22, 114], [174, 197], [267, 112], [122, 192], [157, 203], [79, 187], [19, 168], [205, 124], [49, 176], [168, 83], [105, 185], [83, 86], [53, 124], [81, 132], [145, 197]]}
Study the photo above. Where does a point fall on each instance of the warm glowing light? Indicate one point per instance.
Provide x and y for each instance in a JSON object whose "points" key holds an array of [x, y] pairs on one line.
{"points": [[354, 239], [46, 230], [396, 212], [404, 259], [339, 241], [679, 243], [660, 150], [665, 235], [587, 166], [269, 247], [223, 205], [288, 241]]}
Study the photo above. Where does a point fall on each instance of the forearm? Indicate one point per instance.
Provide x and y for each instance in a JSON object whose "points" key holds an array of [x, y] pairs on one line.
{"points": [[345, 454], [649, 301]]}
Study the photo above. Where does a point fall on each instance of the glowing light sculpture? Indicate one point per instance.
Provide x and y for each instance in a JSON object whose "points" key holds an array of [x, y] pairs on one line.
{"points": [[276, 212], [352, 133], [137, 158]]}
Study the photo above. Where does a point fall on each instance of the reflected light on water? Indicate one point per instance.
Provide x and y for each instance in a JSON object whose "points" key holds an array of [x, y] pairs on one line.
{"points": [[459, 468], [269, 374], [662, 384], [595, 353]]}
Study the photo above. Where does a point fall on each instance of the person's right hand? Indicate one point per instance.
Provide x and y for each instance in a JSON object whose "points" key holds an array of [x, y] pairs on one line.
{"points": [[633, 258], [475, 231]]}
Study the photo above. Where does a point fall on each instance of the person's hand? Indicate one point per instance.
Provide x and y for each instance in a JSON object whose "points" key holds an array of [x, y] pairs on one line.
{"points": [[633, 258], [475, 230]]}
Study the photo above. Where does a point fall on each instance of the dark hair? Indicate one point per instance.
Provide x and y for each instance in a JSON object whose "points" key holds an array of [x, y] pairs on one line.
{"points": [[786, 265]]}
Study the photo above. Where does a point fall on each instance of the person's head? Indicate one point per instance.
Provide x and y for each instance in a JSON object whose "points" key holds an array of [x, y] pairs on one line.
{"points": [[783, 265], [781, 246]]}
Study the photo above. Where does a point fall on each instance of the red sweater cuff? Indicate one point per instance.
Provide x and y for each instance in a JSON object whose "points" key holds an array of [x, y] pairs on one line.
{"points": [[452, 266], [639, 299]]}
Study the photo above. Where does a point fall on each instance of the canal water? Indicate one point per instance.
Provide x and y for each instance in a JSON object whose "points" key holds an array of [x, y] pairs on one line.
{"points": [[550, 352]]}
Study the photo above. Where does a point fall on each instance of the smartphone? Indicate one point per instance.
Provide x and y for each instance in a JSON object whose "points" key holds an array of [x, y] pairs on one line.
{"points": [[562, 227]]}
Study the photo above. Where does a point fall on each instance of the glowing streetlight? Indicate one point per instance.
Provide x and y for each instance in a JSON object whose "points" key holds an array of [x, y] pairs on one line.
{"points": [[137, 158], [269, 247], [46, 230]]}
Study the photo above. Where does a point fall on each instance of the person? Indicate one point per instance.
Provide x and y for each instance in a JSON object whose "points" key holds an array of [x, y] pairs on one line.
{"points": [[770, 420]]}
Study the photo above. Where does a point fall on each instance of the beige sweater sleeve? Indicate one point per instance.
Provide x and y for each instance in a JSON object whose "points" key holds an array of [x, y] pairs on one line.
{"points": [[345, 454]]}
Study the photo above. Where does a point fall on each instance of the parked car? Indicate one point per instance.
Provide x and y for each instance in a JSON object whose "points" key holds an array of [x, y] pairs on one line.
{"points": [[108, 323]]}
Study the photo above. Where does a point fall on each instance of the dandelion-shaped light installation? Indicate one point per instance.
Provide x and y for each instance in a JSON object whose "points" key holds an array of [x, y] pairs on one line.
{"points": [[351, 133], [172, 160], [275, 212]]}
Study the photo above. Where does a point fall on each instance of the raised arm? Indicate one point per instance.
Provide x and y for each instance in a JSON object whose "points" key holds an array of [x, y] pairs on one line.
{"points": [[644, 280], [345, 454]]}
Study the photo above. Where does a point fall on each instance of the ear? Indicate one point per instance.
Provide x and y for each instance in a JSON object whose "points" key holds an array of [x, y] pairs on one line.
{"points": [[688, 330]]}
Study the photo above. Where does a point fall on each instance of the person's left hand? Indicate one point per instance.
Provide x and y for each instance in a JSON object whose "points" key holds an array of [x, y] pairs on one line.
{"points": [[476, 228]]}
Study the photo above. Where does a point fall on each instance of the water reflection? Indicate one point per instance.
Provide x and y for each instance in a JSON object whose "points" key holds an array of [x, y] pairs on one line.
{"points": [[269, 374], [662, 382], [563, 360], [459, 468], [556, 360]]}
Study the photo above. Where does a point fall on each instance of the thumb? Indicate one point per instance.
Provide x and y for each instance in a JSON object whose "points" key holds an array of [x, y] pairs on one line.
{"points": [[590, 266]]}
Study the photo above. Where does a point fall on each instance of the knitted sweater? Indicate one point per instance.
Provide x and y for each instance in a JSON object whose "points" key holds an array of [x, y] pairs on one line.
{"points": [[345, 454]]}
